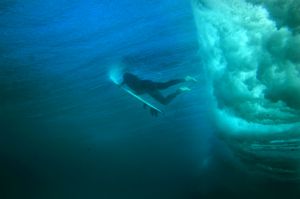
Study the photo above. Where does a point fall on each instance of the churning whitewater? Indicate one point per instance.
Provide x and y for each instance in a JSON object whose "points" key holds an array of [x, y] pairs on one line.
{"points": [[250, 51]]}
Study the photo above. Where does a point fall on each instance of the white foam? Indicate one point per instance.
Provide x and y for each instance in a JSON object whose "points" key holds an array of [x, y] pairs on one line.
{"points": [[116, 73], [252, 64]]}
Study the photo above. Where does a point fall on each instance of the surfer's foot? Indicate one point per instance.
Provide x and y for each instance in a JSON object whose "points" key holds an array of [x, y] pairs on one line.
{"points": [[183, 89], [190, 79]]}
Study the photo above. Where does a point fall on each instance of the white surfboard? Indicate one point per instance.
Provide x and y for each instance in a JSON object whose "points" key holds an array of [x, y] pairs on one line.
{"points": [[154, 110]]}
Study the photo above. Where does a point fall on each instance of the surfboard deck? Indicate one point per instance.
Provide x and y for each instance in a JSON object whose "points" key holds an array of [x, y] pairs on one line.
{"points": [[153, 109]]}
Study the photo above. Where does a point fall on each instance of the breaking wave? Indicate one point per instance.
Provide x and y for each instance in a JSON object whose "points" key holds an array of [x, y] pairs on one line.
{"points": [[250, 50]]}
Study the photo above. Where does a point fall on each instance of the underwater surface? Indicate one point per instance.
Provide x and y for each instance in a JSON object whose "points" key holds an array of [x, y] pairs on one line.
{"points": [[67, 131]]}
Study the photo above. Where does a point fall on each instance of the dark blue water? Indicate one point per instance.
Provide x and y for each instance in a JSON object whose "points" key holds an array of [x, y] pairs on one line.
{"points": [[66, 131]]}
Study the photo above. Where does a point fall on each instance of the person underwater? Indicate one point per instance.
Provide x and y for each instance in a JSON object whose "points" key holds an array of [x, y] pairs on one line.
{"points": [[152, 88]]}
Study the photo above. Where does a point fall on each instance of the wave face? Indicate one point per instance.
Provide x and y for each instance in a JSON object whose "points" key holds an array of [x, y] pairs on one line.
{"points": [[252, 58]]}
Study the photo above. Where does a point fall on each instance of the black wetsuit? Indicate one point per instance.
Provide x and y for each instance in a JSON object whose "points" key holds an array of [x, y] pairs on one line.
{"points": [[152, 88]]}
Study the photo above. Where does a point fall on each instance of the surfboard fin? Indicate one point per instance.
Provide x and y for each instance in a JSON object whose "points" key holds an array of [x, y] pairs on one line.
{"points": [[153, 112], [145, 106]]}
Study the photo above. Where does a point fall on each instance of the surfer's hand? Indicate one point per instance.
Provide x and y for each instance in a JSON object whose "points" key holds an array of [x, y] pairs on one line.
{"points": [[120, 85]]}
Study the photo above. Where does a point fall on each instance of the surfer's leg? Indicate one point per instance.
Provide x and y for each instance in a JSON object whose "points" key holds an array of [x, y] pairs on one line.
{"points": [[165, 85], [162, 99]]}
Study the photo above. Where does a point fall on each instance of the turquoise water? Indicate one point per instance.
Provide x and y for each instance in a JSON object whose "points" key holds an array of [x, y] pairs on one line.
{"points": [[66, 131]]}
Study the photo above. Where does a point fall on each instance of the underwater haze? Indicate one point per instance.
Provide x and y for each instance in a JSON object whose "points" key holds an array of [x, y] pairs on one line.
{"points": [[67, 131]]}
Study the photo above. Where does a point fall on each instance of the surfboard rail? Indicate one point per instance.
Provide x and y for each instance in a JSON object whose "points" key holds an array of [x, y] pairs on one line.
{"points": [[153, 110]]}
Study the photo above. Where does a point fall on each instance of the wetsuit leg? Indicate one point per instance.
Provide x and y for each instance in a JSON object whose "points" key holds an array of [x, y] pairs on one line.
{"points": [[162, 99], [165, 85]]}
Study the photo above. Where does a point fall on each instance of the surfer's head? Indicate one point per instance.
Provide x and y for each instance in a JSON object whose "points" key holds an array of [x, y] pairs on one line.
{"points": [[128, 77]]}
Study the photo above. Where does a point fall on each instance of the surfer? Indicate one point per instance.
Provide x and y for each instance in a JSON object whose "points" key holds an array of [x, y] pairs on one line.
{"points": [[141, 86]]}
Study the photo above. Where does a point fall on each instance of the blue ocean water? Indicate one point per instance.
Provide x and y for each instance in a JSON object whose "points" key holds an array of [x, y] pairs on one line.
{"points": [[66, 131]]}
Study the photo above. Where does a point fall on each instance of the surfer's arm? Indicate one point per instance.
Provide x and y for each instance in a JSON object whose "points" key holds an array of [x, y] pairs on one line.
{"points": [[122, 83]]}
